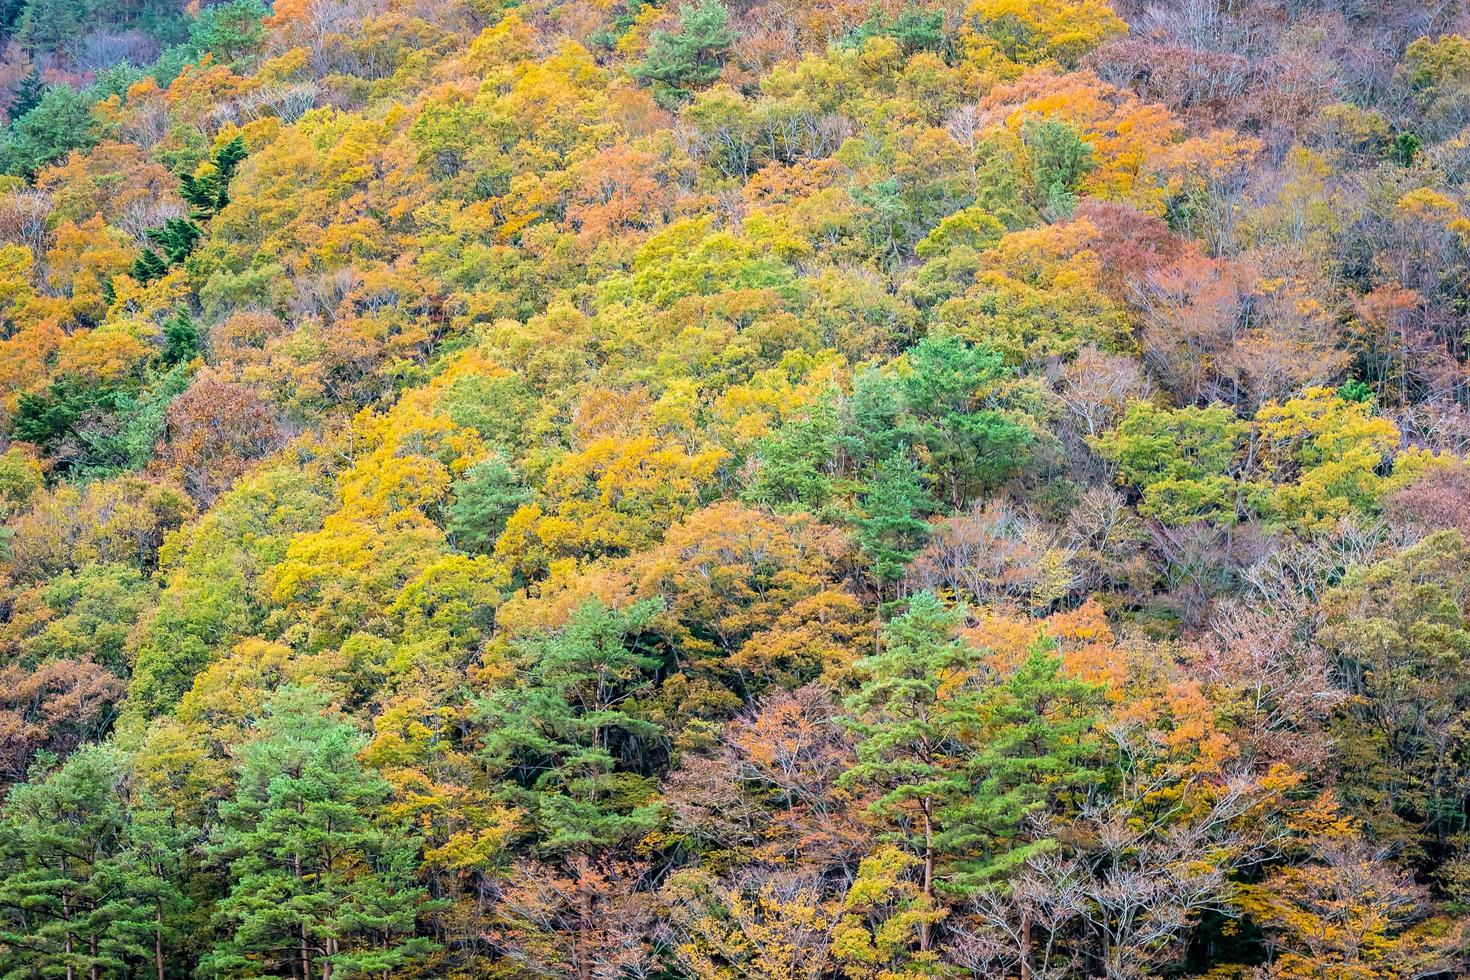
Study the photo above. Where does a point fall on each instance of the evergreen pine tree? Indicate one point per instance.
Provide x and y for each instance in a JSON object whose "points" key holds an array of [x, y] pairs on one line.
{"points": [[46, 25], [679, 62], [146, 882], [964, 761], [60, 122], [62, 890], [316, 885], [1036, 743], [910, 714], [484, 498], [796, 462], [568, 741], [969, 448], [890, 519]]}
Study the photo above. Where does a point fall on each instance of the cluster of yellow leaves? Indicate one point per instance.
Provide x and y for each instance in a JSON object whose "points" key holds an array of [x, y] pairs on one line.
{"points": [[1347, 914], [383, 536], [1038, 294], [1038, 32]]}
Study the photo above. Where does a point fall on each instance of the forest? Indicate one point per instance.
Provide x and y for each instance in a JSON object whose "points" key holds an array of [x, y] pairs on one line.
{"points": [[721, 489]]}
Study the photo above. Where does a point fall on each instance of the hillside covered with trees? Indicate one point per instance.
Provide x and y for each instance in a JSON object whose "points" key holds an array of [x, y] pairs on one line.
{"points": [[776, 489]]}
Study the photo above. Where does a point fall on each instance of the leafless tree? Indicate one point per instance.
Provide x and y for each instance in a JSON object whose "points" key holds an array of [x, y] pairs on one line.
{"points": [[101, 50], [1096, 386], [286, 102], [993, 553], [23, 219], [1124, 896]]}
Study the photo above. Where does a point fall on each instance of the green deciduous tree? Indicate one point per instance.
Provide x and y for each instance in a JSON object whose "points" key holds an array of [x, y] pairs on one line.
{"points": [[92, 611], [1400, 631], [1182, 461]]}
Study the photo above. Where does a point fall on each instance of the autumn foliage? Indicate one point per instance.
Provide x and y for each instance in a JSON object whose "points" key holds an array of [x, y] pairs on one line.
{"points": [[696, 491]]}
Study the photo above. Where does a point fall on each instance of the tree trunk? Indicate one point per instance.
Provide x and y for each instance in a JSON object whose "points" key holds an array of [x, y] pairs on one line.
{"points": [[66, 917], [158, 941], [584, 899], [924, 927], [1025, 946], [305, 950]]}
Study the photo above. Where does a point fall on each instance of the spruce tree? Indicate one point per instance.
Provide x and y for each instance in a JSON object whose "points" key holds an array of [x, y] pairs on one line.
{"points": [[180, 339], [177, 238], [149, 265], [209, 193], [27, 95]]}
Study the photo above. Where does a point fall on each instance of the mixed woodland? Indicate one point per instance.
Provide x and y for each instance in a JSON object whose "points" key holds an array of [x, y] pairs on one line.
{"points": [[775, 489]]}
